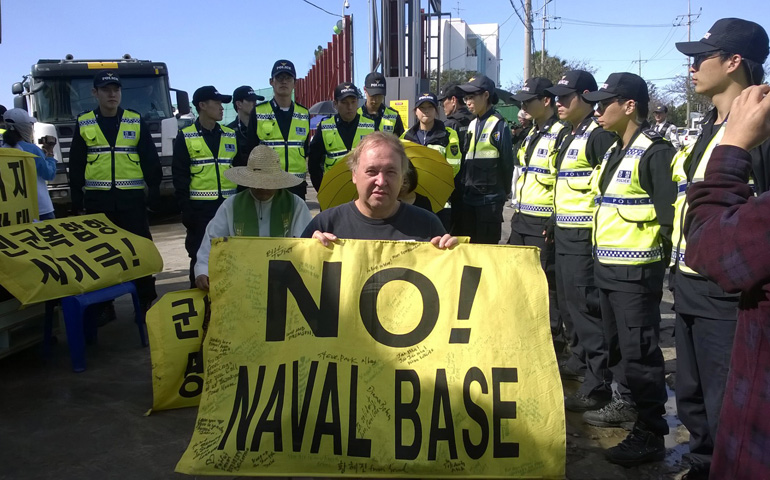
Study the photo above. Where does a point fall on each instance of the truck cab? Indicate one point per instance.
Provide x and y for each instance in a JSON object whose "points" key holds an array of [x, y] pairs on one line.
{"points": [[57, 91]]}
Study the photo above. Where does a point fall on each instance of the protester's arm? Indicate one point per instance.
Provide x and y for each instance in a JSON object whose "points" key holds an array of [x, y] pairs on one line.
{"points": [[655, 178], [180, 169], [45, 164], [77, 170], [150, 163], [219, 226]]}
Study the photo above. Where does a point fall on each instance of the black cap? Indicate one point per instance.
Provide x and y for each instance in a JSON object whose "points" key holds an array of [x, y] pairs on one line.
{"points": [[731, 35], [106, 77], [533, 87], [283, 66], [245, 92], [209, 93], [660, 109], [479, 83], [624, 84], [344, 90], [450, 90], [573, 81], [374, 83], [426, 97]]}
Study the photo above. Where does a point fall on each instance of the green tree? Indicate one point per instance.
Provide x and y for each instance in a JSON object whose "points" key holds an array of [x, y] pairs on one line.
{"points": [[554, 67], [450, 75]]}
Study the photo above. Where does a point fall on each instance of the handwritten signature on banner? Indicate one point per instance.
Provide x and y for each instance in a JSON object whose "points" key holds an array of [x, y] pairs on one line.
{"points": [[57, 258]]}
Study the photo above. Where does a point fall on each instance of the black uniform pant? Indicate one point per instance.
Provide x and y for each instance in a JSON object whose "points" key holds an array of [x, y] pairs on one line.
{"points": [[548, 262], [299, 190], [135, 221], [581, 312], [196, 223], [483, 223], [703, 349], [632, 329]]}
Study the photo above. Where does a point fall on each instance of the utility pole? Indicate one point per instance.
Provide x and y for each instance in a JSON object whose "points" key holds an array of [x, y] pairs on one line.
{"points": [[527, 39], [542, 51], [640, 61], [681, 21]]}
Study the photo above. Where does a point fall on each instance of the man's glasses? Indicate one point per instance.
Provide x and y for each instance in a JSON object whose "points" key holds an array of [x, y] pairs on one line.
{"points": [[604, 104], [701, 57], [563, 99]]}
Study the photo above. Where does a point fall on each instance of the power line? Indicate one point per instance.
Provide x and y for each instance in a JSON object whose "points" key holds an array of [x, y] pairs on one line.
{"points": [[573, 21], [323, 10], [518, 14]]}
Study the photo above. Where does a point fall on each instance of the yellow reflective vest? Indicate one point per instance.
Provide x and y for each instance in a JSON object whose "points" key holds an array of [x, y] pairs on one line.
{"points": [[482, 158], [680, 166], [291, 150], [388, 120], [108, 166], [535, 185], [573, 200], [626, 228], [207, 180], [451, 152], [333, 144]]}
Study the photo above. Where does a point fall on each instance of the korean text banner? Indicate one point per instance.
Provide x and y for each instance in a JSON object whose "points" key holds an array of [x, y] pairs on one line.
{"points": [[377, 359], [18, 187], [68, 256], [175, 325]]}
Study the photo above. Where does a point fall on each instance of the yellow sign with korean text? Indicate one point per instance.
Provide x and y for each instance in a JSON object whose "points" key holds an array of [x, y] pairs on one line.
{"points": [[402, 107], [377, 359], [69, 256], [18, 187], [175, 327]]}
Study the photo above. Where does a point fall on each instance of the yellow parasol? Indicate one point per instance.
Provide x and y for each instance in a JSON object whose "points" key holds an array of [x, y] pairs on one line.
{"points": [[435, 178]]}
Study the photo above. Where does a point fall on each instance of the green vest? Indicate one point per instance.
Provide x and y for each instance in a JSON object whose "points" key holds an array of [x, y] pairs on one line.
{"points": [[291, 150], [246, 223], [536, 182], [335, 147], [572, 199], [207, 180], [626, 229], [388, 120], [679, 167], [108, 166]]}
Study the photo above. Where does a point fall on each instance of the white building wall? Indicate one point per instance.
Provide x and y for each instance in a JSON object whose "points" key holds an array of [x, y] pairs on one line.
{"points": [[467, 47]]}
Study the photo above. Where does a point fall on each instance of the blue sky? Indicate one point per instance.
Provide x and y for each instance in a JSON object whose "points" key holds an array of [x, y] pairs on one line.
{"points": [[228, 43]]}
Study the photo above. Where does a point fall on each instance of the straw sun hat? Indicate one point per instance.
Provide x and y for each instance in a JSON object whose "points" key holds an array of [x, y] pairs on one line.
{"points": [[262, 171]]}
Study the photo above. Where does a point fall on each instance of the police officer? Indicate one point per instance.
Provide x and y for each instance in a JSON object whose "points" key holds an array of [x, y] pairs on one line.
{"points": [[105, 176], [665, 128], [283, 125], [579, 152], [336, 136], [244, 101], [488, 164], [532, 221], [725, 61], [457, 115], [433, 133], [385, 118], [632, 240], [202, 153]]}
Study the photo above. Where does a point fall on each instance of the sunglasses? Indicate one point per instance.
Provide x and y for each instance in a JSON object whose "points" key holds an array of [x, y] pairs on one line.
{"points": [[602, 106], [701, 57]]}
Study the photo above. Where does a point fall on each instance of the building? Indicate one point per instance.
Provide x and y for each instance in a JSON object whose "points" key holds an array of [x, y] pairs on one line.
{"points": [[465, 47]]}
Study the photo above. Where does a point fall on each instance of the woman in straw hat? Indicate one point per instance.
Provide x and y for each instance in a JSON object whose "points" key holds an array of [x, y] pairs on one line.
{"points": [[266, 209]]}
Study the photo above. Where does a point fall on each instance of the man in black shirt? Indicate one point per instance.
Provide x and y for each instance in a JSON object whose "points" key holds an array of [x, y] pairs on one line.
{"points": [[94, 189], [377, 166], [244, 101]]}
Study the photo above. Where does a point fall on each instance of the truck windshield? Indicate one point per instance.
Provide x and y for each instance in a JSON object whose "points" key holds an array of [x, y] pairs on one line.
{"points": [[63, 99]]}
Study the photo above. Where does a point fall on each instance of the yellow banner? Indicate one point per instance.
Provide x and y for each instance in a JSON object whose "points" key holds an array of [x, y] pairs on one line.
{"points": [[176, 331], [377, 359], [18, 187], [69, 256]]}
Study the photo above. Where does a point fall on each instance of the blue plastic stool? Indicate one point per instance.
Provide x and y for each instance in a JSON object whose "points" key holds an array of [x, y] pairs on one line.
{"points": [[78, 330]]}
